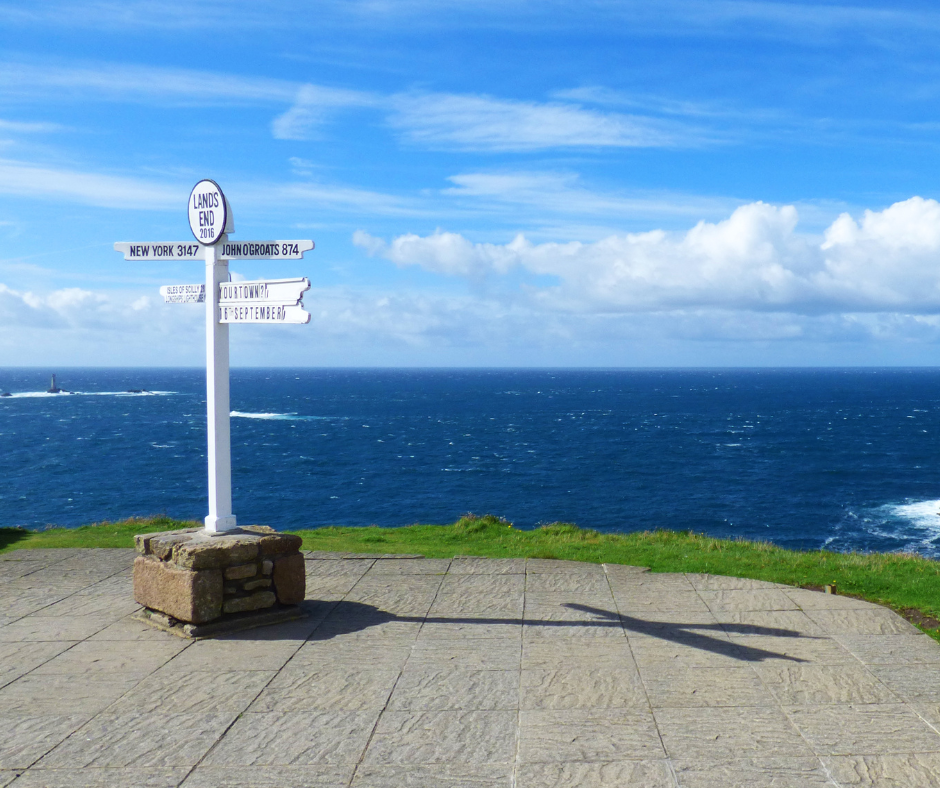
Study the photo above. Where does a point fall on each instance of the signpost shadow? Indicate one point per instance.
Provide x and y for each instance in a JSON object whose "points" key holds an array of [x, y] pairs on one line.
{"points": [[345, 617]]}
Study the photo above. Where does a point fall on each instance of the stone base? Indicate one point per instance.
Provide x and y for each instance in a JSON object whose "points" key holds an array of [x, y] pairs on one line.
{"points": [[225, 625], [196, 578]]}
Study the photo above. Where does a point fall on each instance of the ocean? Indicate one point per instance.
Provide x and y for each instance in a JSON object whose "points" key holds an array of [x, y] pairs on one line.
{"points": [[839, 458]]}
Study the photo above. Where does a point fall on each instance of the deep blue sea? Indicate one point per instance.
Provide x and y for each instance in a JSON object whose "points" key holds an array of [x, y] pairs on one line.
{"points": [[846, 459]]}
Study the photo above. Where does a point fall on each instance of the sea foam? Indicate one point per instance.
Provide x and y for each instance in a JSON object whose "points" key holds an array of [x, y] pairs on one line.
{"points": [[43, 394], [238, 414]]}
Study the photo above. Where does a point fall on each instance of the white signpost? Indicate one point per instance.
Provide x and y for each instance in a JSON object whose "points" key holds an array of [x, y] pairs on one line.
{"points": [[262, 301]]}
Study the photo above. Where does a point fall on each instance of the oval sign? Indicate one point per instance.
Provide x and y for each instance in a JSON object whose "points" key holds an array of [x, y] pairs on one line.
{"points": [[207, 212]]}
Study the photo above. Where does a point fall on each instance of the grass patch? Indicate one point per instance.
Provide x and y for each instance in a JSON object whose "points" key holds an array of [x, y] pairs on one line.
{"points": [[106, 534], [908, 584]]}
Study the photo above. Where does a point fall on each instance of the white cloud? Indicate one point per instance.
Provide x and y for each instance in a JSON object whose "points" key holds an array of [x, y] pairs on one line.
{"points": [[753, 260], [550, 196], [107, 191], [485, 123], [76, 308], [799, 20], [27, 127], [92, 327], [312, 106], [332, 197], [128, 82]]}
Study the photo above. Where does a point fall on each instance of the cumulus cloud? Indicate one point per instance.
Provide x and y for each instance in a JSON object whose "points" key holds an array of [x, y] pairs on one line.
{"points": [[753, 260], [77, 308]]}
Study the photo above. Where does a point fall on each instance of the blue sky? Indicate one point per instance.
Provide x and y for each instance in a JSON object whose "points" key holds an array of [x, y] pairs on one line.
{"points": [[488, 183]]}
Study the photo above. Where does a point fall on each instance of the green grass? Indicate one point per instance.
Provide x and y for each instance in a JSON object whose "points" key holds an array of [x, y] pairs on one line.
{"points": [[120, 534], [907, 583]]}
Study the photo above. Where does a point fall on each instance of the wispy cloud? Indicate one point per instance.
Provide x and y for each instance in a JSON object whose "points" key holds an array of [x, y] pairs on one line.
{"points": [[468, 122], [107, 191], [802, 20], [486, 123], [546, 197], [335, 198], [127, 82], [312, 105], [28, 127]]}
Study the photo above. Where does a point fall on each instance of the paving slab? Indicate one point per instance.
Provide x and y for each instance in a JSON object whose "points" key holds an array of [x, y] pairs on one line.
{"points": [[437, 775], [669, 686], [295, 739], [877, 729], [102, 778], [587, 735], [757, 772], [316, 776], [464, 673], [885, 771], [725, 733], [138, 658], [25, 738], [335, 688], [611, 774], [451, 737], [35, 694], [43, 628], [139, 740], [582, 688]]}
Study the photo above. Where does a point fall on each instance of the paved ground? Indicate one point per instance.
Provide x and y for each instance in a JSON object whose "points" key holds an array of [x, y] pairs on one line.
{"points": [[464, 673]]}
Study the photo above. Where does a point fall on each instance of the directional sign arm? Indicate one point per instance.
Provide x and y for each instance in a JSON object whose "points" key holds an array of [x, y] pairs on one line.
{"points": [[269, 291], [161, 250], [183, 294], [263, 312], [264, 250]]}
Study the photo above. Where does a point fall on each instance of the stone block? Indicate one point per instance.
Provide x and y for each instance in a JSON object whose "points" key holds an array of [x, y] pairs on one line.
{"points": [[142, 541], [241, 571], [267, 566], [243, 604], [191, 596], [290, 579], [261, 582], [261, 530], [161, 545], [216, 551], [272, 542]]}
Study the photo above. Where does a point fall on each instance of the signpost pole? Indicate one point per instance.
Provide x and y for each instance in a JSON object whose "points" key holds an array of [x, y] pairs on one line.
{"points": [[220, 516], [264, 301]]}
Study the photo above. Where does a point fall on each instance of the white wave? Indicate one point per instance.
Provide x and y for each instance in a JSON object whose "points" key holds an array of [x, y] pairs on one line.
{"points": [[40, 394], [37, 394], [239, 414], [921, 514], [916, 525]]}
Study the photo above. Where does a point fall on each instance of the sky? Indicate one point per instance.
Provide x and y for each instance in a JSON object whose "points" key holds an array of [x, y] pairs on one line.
{"points": [[601, 183]]}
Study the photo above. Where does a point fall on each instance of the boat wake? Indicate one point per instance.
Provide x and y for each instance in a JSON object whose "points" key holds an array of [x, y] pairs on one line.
{"points": [[238, 414], [49, 395]]}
